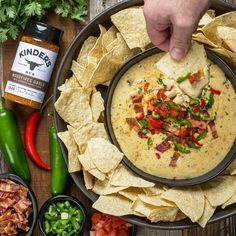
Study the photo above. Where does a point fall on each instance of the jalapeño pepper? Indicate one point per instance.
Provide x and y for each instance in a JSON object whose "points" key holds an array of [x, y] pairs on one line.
{"points": [[11, 144], [59, 172]]}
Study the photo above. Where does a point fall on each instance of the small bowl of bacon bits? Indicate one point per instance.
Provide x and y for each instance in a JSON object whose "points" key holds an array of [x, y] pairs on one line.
{"points": [[102, 224], [18, 206]]}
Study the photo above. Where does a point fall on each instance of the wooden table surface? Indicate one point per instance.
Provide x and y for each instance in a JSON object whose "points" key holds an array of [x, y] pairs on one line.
{"points": [[41, 179]]}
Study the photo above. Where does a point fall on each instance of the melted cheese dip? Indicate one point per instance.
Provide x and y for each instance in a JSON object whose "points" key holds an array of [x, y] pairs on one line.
{"points": [[142, 156]]}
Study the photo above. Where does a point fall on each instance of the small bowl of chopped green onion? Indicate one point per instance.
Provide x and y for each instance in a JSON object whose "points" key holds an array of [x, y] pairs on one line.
{"points": [[62, 215]]}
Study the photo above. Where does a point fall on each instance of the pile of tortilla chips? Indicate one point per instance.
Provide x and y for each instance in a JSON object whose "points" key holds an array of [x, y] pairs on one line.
{"points": [[218, 34], [81, 106]]}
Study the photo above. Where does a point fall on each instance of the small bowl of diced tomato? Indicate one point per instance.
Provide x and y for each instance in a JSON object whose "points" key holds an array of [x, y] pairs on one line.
{"points": [[62, 216], [107, 225]]}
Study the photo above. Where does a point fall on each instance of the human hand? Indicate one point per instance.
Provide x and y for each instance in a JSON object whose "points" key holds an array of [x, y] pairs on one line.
{"points": [[170, 23]]}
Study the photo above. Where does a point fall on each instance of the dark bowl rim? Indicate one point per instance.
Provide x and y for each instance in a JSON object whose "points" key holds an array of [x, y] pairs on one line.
{"points": [[221, 214], [221, 166], [58, 198], [16, 178]]}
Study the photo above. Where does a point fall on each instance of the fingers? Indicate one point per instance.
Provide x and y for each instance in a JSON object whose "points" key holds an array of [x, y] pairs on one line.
{"points": [[181, 38], [160, 38]]}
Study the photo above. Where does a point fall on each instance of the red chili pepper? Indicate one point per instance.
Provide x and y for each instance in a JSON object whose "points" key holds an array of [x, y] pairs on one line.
{"points": [[195, 140], [145, 88], [158, 156], [31, 126], [140, 116], [203, 103], [215, 91]]}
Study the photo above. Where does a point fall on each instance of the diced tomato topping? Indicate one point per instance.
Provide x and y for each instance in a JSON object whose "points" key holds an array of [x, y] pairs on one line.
{"points": [[151, 105], [145, 88], [123, 232], [96, 217], [173, 113], [158, 156], [140, 116], [161, 94], [107, 225], [183, 132], [155, 123], [215, 91], [203, 103], [191, 79], [162, 110], [196, 109], [100, 232]]}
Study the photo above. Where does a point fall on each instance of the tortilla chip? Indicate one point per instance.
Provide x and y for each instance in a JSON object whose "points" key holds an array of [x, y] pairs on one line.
{"points": [[232, 167], [88, 131], [105, 188], [180, 216], [228, 35], [165, 214], [174, 69], [210, 30], [153, 213], [114, 205], [201, 38], [131, 192], [155, 200], [87, 46], [86, 161], [73, 106], [105, 155], [121, 51], [88, 179], [97, 173], [123, 177], [96, 52], [132, 26], [97, 105], [232, 200], [156, 190], [70, 83], [222, 184], [207, 214], [189, 200], [78, 71], [206, 18], [108, 38], [104, 71], [73, 152]]}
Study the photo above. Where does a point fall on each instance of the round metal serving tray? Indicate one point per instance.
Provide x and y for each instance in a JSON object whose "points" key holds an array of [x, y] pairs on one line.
{"points": [[64, 73], [156, 179]]}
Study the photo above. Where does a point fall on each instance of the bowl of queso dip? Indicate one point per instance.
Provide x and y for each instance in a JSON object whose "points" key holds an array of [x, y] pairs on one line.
{"points": [[175, 131]]}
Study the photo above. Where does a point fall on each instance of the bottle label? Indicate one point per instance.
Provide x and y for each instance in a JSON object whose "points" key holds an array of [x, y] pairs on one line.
{"points": [[31, 72]]}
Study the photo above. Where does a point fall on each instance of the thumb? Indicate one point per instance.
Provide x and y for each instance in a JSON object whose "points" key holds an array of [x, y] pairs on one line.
{"points": [[180, 41]]}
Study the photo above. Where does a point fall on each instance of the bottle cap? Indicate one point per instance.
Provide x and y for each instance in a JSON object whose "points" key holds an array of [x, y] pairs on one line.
{"points": [[44, 32]]}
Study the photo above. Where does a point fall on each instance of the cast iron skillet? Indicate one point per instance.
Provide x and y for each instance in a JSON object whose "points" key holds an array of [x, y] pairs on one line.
{"points": [[64, 73], [34, 214], [169, 182]]}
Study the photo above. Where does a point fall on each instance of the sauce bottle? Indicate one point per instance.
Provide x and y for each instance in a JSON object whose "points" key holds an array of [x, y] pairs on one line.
{"points": [[33, 64]]}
